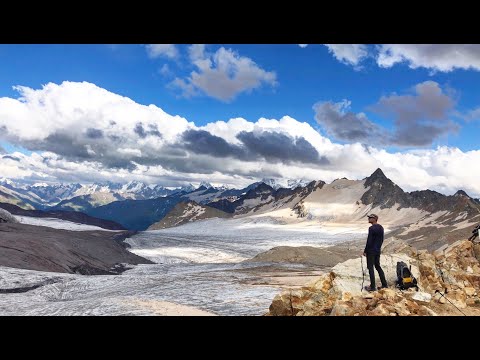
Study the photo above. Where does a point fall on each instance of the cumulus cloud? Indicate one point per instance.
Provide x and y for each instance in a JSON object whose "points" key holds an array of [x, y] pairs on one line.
{"points": [[222, 75], [342, 124], [268, 146], [81, 123], [274, 146], [162, 50], [202, 142], [350, 54], [437, 57], [152, 130], [419, 118], [440, 169], [303, 46], [52, 122]]}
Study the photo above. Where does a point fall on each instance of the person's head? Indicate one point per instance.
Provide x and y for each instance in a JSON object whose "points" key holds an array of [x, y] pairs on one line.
{"points": [[372, 218]]}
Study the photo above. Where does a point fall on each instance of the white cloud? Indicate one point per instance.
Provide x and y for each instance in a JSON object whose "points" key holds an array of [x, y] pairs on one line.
{"points": [[196, 52], [162, 50], [71, 108], [74, 106], [223, 74], [472, 115], [436, 57], [350, 54], [419, 118], [303, 46], [165, 70]]}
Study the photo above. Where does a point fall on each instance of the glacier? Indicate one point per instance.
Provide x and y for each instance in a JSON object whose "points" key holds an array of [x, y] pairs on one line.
{"points": [[197, 264]]}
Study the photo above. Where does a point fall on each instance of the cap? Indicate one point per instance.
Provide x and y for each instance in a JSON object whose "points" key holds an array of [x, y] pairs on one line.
{"points": [[373, 216]]}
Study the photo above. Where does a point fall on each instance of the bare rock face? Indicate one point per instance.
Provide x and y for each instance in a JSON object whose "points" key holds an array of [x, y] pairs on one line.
{"points": [[448, 280], [300, 210], [6, 217]]}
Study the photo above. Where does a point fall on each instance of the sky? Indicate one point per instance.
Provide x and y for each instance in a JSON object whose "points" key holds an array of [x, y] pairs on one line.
{"points": [[233, 114]]}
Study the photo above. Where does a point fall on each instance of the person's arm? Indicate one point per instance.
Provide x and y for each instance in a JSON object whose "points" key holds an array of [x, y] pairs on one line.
{"points": [[369, 244]]}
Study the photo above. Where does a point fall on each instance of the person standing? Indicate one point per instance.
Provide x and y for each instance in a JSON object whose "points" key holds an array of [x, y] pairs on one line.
{"points": [[372, 252]]}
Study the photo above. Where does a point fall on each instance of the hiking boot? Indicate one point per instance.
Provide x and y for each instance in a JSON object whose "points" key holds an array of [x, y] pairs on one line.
{"points": [[369, 289]]}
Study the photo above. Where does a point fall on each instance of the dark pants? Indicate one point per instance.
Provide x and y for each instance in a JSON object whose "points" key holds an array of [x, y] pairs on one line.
{"points": [[374, 260]]}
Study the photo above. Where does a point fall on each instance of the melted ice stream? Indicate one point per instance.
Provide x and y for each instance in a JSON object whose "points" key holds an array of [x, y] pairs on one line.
{"points": [[196, 265]]}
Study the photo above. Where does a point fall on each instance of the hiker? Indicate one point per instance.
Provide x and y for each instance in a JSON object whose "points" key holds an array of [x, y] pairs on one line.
{"points": [[475, 233], [372, 252]]}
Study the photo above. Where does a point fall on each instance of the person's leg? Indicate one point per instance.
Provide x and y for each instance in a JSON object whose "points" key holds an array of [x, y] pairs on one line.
{"points": [[381, 274], [370, 264]]}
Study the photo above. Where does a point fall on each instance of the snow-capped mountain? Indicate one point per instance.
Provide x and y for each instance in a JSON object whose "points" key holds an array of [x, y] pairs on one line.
{"points": [[294, 183], [51, 194], [188, 188], [285, 183], [206, 185], [42, 195]]}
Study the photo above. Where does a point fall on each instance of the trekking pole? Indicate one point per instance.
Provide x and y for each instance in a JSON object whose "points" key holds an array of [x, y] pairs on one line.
{"points": [[363, 273], [436, 291]]}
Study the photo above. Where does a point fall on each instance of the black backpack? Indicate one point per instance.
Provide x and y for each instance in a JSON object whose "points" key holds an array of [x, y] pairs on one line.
{"points": [[405, 279]]}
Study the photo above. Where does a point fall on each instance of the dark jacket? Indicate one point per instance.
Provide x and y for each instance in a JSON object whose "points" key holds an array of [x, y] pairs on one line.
{"points": [[375, 239]]}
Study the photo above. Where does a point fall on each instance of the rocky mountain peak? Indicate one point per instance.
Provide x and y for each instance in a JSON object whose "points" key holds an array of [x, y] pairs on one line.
{"points": [[378, 176], [461, 193], [383, 192], [206, 185], [262, 187]]}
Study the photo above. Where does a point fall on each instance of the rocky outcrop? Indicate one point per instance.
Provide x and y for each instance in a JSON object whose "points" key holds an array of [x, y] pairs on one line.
{"points": [[188, 211], [448, 280], [300, 210], [325, 257], [6, 217]]}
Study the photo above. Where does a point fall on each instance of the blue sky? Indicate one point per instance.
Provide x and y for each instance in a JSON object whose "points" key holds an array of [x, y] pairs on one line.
{"points": [[399, 99]]}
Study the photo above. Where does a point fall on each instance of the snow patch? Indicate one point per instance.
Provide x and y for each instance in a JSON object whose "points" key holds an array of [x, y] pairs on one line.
{"points": [[58, 224]]}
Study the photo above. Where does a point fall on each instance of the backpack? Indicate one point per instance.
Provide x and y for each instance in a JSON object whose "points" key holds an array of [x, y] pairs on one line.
{"points": [[405, 279]]}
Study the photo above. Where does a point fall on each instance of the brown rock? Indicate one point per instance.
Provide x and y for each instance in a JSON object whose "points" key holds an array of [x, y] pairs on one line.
{"points": [[336, 293], [388, 294], [470, 291], [344, 308]]}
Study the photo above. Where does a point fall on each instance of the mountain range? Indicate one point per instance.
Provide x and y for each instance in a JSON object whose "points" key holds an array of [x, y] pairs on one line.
{"points": [[137, 206]]}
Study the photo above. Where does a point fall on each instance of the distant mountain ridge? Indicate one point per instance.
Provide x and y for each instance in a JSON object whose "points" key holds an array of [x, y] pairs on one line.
{"points": [[81, 197], [73, 216], [342, 200]]}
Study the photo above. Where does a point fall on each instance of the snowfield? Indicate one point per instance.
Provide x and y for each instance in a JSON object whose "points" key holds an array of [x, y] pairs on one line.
{"points": [[58, 224], [232, 240]]}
